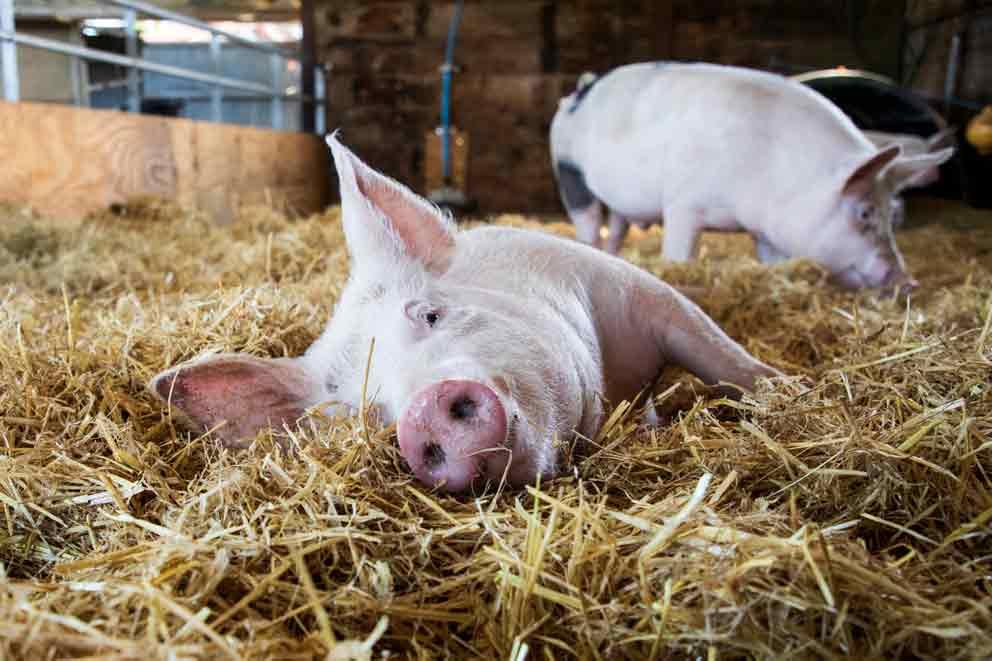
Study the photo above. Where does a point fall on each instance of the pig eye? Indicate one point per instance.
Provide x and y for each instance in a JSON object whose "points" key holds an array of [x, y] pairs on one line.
{"points": [[865, 217], [423, 313]]}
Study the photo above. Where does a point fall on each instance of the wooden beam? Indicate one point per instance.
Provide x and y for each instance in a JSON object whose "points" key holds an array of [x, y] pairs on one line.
{"points": [[65, 161], [309, 24]]}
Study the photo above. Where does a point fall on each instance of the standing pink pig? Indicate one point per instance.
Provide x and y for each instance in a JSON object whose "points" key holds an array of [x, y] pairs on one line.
{"points": [[490, 344], [710, 147]]}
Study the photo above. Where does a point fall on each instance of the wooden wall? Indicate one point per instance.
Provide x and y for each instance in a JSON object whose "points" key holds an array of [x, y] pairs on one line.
{"points": [[518, 57], [67, 161], [931, 26]]}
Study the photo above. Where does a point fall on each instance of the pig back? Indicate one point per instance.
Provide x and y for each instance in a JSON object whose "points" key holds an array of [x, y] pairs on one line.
{"points": [[647, 137], [581, 296]]}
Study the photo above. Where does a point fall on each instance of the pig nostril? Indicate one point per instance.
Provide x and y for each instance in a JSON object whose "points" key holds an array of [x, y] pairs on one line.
{"points": [[463, 408], [433, 455]]}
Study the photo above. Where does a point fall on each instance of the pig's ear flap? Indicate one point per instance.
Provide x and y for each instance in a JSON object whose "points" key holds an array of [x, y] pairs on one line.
{"points": [[861, 182], [237, 395], [916, 170], [384, 220]]}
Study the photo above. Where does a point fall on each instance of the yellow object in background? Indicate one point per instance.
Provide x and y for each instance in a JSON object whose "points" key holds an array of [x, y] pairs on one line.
{"points": [[979, 132]]}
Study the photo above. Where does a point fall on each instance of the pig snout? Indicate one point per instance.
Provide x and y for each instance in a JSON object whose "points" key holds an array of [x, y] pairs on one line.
{"points": [[454, 433], [900, 283], [887, 274]]}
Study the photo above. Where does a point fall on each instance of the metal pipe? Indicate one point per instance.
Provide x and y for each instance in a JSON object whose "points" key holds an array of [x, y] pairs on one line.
{"points": [[446, 71], [8, 51], [275, 64], [131, 48], [319, 105], [157, 12], [216, 92], [10, 38], [276, 93], [951, 79]]}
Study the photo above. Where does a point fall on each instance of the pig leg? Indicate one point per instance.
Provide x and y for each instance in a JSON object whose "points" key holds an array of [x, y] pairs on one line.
{"points": [[583, 208], [679, 242], [587, 223], [618, 231], [688, 337], [767, 253]]}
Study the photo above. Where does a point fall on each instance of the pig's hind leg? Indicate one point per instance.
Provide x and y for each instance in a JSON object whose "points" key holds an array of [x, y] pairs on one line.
{"points": [[618, 232], [588, 223], [584, 209]]}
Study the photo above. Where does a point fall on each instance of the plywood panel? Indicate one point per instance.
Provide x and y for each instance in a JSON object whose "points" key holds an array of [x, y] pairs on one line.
{"points": [[68, 161]]}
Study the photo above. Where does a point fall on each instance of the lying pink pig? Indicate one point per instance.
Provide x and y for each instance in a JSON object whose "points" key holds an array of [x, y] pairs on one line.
{"points": [[490, 343]]}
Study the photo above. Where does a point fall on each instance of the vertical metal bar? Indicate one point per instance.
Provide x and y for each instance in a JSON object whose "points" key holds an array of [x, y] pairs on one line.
{"points": [[276, 63], [319, 103], [8, 51], [133, 81], [951, 78], [78, 92], [216, 91]]}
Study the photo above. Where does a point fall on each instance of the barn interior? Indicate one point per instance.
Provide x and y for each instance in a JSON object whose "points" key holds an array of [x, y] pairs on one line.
{"points": [[146, 219]]}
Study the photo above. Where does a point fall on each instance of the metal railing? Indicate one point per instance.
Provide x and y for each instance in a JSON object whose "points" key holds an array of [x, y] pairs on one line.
{"points": [[10, 38]]}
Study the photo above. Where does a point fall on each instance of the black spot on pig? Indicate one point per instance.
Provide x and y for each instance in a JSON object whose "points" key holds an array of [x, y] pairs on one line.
{"points": [[572, 184], [586, 82]]}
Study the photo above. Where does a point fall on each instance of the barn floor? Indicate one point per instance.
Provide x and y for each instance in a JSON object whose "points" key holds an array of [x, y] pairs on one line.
{"points": [[843, 512]]}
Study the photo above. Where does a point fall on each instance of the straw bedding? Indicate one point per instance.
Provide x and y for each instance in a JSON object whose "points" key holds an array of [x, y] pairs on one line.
{"points": [[844, 511]]}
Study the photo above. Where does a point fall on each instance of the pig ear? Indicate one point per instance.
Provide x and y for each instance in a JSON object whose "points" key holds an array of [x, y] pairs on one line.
{"points": [[912, 171], [236, 395], [384, 220], [862, 181]]}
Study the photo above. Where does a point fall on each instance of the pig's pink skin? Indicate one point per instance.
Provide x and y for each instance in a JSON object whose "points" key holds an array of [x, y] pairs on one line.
{"points": [[700, 146], [454, 433], [549, 327]]}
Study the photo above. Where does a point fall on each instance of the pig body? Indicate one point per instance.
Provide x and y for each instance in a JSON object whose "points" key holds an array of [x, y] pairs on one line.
{"points": [[491, 345], [721, 148]]}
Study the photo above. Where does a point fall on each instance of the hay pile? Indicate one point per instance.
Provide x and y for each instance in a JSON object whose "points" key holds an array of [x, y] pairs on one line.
{"points": [[843, 513]]}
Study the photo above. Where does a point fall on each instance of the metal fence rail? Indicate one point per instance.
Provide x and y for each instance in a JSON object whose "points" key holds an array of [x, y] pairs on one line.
{"points": [[10, 38]]}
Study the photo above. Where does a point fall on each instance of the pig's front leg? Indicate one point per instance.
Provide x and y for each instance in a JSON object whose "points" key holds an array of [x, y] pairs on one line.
{"points": [[767, 253], [682, 333], [678, 243], [588, 221], [618, 232]]}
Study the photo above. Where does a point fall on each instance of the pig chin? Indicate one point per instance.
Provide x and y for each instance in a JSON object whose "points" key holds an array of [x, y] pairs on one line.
{"points": [[878, 274]]}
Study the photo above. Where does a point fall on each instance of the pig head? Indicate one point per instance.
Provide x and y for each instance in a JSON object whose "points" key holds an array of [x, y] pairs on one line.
{"points": [[492, 347]]}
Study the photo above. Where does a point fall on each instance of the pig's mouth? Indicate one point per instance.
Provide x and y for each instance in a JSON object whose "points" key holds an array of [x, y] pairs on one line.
{"points": [[889, 280], [850, 278]]}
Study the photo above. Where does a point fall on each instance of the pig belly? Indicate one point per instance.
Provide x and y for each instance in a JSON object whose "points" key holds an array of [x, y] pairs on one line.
{"points": [[639, 199]]}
